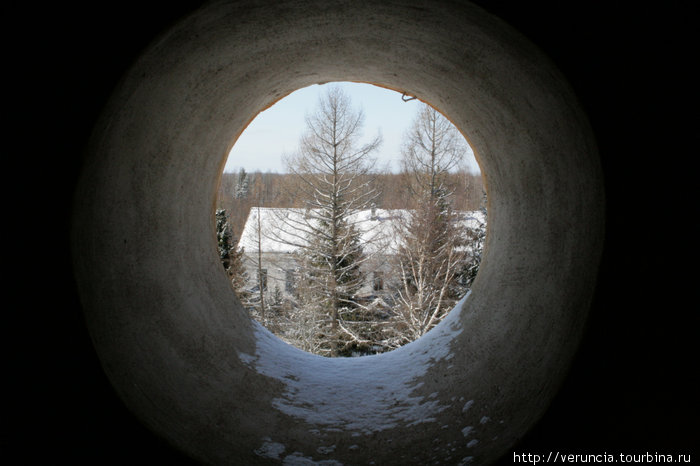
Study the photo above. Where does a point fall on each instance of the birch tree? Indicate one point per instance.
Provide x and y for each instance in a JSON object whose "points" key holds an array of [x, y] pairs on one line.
{"points": [[331, 171], [430, 253], [261, 273]]}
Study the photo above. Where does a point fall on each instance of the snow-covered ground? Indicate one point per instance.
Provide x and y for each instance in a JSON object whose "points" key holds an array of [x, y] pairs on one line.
{"points": [[356, 395]]}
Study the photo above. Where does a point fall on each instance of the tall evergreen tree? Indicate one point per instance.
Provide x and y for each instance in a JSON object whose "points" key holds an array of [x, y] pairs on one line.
{"points": [[332, 179], [231, 256], [242, 185], [224, 237]]}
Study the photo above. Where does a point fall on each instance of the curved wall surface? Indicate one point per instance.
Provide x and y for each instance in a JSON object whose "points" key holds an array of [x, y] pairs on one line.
{"points": [[171, 336]]}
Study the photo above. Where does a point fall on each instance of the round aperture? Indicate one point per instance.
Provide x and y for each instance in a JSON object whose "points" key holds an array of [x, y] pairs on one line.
{"points": [[183, 353], [351, 219]]}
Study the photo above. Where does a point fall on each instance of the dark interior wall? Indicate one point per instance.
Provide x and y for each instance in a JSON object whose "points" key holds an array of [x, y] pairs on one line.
{"points": [[630, 390]]}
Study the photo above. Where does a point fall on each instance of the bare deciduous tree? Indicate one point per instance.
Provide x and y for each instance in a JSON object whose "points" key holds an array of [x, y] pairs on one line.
{"points": [[432, 148], [431, 251], [331, 170]]}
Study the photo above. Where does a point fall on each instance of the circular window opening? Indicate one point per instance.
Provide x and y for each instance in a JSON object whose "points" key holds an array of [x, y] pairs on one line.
{"points": [[350, 218]]}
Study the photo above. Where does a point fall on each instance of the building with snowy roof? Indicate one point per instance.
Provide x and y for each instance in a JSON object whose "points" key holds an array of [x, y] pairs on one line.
{"points": [[272, 239]]}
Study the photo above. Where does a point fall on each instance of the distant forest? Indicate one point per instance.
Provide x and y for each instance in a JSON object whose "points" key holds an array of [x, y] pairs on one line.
{"points": [[240, 191]]}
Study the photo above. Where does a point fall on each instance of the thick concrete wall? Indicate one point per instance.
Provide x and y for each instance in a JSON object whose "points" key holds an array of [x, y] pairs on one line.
{"points": [[184, 356]]}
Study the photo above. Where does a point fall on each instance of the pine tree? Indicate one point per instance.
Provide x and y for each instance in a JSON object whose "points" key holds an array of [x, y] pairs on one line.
{"points": [[242, 185], [231, 256], [332, 180], [223, 236]]}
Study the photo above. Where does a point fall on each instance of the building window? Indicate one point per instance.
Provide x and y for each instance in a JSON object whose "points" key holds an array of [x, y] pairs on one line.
{"points": [[262, 279], [378, 281], [289, 281]]}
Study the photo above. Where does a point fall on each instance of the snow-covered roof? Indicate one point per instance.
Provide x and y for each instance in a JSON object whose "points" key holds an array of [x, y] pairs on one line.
{"points": [[282, 229], [269, 218], [473, 219]]}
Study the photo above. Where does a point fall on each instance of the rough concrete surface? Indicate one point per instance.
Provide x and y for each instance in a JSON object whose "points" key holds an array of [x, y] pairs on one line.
{"points": [[192, 365]]}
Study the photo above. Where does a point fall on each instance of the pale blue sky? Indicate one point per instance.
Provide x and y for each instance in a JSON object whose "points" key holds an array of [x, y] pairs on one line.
{"points": [[277, 130]]}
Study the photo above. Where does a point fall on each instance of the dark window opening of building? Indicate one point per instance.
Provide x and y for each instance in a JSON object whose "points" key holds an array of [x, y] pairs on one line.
{"points": [[378, 281], [289, 281], [262, 279]]}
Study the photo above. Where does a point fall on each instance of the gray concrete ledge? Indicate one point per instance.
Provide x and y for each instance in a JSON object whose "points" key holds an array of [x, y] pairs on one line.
{"points": [[179, 349]]}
